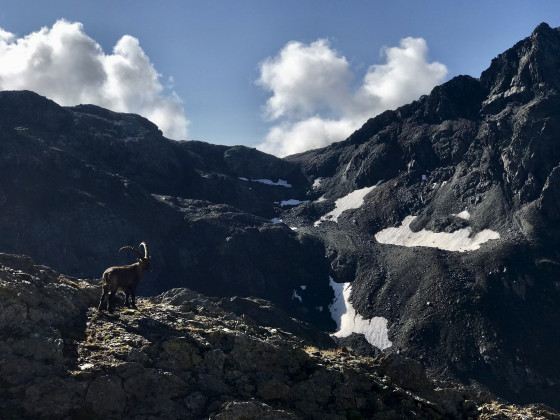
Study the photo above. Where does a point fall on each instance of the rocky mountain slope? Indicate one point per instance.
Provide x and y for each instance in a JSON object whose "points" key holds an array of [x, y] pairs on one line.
{"points": [[186, 356], [440, 218], [455, 242]]}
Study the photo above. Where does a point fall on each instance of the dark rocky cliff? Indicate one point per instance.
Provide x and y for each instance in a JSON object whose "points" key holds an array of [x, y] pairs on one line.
{"points": [[78, 183]]}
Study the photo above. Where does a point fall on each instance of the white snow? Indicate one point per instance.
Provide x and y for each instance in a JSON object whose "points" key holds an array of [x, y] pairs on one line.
{"points": [[276, 220], [424, 177], [303, 287], [354, 200], [292, 202], [463, 215], [321, 199], [459, 241], [280, 182], [296, 296], [348, 321], [317, 183]]}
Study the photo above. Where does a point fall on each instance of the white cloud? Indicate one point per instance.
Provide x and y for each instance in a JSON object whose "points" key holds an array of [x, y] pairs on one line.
{"points": [[293, 136], [313, 103], [67, 66], [304, 78]]}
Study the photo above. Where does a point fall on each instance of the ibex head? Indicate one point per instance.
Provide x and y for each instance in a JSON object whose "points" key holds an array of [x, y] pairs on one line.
{"points": [[143, 259]]}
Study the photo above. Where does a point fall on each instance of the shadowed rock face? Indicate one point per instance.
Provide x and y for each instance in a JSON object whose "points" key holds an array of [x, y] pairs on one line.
{"points": [[469, 286], [76, 184], [184, 355]]}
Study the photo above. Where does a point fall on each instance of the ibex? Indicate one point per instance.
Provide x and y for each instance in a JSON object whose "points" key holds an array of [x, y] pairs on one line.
{"points": [[125, 278]]}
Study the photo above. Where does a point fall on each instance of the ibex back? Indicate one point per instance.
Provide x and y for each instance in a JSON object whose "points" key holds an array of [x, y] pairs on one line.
{"points": [[125, 278]]}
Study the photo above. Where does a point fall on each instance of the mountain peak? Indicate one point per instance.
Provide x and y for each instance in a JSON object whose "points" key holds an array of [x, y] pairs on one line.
{"points": [[528, 68], [542, 28]]}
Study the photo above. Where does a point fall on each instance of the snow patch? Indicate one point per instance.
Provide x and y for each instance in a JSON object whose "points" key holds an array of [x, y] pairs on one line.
{"points": [[295, 296], [354, 200], [280, 182], [276, 220], [303, 287], [317, 183], [463, 215], [348, 321], [459, 241], [291, 202]]}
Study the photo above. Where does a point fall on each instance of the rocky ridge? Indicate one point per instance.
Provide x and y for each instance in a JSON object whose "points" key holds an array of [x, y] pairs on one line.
{"points": [[185, 355]]}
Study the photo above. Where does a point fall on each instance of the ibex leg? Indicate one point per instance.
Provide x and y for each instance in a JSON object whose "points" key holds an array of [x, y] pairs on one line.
{"points": [[133, 298], [112, 300], [100, 307]]}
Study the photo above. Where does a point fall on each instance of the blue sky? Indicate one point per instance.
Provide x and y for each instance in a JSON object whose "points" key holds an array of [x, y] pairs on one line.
{"points": [[209, 56]]}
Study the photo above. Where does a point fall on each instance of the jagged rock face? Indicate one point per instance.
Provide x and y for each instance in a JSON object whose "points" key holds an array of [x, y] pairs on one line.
{"points": [[476, 159], [183, 355]]}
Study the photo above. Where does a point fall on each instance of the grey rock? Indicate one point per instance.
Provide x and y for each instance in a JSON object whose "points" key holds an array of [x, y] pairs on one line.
{"points": [[106, 396]]}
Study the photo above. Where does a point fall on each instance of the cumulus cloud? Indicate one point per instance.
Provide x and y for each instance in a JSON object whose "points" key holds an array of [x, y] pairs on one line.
{"points": [[313, 103], [304, 78], [67, 66]]}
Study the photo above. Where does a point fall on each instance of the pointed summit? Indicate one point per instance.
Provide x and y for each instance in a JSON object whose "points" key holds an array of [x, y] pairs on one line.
{"points": [[542, 28], [526, 69]]}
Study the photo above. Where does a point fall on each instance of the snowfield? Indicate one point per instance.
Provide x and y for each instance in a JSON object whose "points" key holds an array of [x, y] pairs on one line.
{"points": [[317, 183], [459, 241], [354, 200], [463, 215], [348, 321], [291, 202], [280, 182]]}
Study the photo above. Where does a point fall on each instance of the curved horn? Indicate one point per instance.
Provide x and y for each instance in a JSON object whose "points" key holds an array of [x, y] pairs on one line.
{"points": [[145, 249], [129, 248]]}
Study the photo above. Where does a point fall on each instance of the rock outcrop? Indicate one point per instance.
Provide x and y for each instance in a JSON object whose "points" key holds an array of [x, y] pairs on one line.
{"points": [[183, 355]]}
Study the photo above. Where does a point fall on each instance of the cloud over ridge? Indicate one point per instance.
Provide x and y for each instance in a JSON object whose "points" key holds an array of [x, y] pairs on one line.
{"points": [[67, 66], [313, 103]]}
